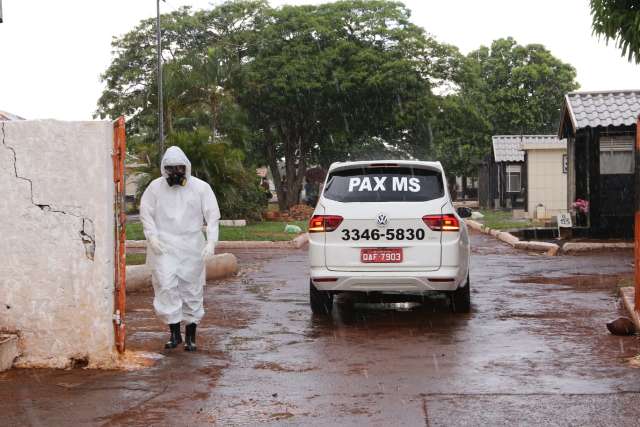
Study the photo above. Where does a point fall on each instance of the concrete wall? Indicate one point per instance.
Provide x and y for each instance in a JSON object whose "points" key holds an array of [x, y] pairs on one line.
{"points": [[56, 252], [547, 184]]}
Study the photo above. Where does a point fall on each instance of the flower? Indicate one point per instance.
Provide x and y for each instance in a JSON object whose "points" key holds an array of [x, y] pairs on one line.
{"points": [[580, 205]]}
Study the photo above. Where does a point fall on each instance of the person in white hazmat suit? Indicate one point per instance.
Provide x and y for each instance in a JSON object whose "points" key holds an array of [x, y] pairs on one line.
{"points": [[173, 210]]}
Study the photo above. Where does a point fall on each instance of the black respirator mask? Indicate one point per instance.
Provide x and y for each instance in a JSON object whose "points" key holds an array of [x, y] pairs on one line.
{"points": [[176, 175]]}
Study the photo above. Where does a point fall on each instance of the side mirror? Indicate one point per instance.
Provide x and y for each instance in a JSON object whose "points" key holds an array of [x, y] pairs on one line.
{"points": [[464, 212]]}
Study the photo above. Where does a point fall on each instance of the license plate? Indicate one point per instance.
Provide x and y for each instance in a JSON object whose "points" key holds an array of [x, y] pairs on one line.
{"points": [[386, 255]]}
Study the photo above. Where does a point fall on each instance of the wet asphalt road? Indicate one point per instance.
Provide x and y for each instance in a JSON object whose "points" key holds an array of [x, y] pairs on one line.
{"points": [[533, 351]]}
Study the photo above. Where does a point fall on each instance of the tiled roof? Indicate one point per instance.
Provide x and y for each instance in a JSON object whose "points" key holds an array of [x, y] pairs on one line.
{"points": [[4, 116], [509, 148], [593, 109]]}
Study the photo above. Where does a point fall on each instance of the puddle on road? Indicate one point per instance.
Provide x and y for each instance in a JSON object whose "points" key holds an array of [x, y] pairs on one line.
{"points": [[583, 281], [357, 319], [251, 412], [276, 367]]}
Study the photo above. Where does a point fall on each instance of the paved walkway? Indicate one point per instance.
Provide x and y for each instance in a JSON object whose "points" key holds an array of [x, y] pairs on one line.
{"points": [[533, 351]]}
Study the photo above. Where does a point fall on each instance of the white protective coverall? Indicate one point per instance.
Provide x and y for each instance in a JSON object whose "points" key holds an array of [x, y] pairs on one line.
{"points": [[174, 215]]}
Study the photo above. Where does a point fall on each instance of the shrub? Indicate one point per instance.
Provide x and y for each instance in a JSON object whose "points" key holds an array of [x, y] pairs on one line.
{"points": [[237, 187]]}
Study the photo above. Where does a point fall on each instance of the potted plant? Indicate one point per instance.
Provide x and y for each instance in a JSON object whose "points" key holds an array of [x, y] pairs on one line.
{"points": [[581, 208]]}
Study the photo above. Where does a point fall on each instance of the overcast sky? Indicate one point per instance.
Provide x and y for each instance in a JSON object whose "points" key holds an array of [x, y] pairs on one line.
{"points": [[53, 52]]}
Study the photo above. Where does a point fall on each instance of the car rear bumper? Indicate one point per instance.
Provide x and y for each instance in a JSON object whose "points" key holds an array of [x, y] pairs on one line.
{"points": [[444, 279]]}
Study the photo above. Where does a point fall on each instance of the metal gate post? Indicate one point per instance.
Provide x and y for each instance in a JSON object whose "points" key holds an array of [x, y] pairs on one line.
{"points": [[119, 153]]}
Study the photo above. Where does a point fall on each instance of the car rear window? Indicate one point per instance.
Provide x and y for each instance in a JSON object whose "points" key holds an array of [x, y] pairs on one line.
{"points": [[384, 184]]}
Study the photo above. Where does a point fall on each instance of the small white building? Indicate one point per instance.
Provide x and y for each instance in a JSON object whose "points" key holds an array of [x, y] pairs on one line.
{"points": [[527, 173], [546, 177]]}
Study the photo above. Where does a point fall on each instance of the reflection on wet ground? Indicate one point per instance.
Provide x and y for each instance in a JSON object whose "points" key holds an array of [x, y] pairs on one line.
{"points": [[534, 349]]}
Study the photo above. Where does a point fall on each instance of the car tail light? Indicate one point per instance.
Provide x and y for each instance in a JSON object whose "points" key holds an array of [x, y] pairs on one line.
{"points": [[324, 223], [382, 165], [446, 222]]}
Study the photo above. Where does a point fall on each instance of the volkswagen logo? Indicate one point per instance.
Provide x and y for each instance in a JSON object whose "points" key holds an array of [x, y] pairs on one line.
{"points": [[382, 220]]}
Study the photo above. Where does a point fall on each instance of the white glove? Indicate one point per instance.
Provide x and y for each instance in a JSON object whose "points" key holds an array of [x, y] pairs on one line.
{"points": [[156, 246], [209, 249]]}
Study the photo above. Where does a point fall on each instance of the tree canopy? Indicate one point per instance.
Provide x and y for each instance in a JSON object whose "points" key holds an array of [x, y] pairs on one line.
{"points": [[326, 79], [522, 86], [618, 20], [505, 88], [297, 86]]}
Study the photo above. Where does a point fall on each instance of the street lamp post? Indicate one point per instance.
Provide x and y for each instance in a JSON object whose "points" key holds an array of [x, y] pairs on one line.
{"points": [[160, 112]]}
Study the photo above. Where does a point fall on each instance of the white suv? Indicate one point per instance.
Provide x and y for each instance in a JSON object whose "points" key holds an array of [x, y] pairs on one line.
{"points": [[388, 227]]}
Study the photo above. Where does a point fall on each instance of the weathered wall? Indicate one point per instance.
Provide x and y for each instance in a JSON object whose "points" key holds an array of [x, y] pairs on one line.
{"points": [[56, 249], [547, 184]]}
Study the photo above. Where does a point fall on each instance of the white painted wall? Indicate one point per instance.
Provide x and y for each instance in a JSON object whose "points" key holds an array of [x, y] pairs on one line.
{"points": [[546, 183], [57, 239]]}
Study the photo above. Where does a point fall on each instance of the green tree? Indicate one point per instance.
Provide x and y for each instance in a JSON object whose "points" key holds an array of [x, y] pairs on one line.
{"points": [[618, 20], [521, 87], [462, 136], [200, 51], [503, 89], [221, 165], [325, 81]]}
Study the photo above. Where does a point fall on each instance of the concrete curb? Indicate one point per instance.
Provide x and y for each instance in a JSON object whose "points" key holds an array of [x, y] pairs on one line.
{"points": [[508, 238], [627, 294], [537, 246], [550, 249], [295, 243], [136, 244], [474, 224], [8, 351], [218, 267]]}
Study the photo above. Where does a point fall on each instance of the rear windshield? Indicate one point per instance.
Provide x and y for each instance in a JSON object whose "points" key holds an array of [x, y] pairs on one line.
{"points": [[386, 184]]}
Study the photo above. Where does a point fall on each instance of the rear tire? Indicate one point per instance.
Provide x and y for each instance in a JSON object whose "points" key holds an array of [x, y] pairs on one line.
{"points": [[461, 299], [321, 301]]}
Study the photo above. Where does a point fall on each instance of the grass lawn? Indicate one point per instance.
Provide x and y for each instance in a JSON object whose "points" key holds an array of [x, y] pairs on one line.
{"points": [[134, 231], [259, 231], [502, 220], [267, 230], [136, 259]]}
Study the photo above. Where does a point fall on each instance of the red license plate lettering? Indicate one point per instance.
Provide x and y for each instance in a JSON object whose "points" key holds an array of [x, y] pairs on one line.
{"points": [[386, 255]]}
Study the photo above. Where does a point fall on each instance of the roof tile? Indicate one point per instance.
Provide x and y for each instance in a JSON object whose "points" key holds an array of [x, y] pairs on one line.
{"points": [[614, 108], [508, 148]]}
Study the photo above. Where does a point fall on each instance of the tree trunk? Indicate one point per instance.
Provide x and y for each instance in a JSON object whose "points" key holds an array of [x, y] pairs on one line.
{"points": [[295, 183], [294, 178], [464, 187], [452, 187], [272, 162], [213, 106], [288, 189]]}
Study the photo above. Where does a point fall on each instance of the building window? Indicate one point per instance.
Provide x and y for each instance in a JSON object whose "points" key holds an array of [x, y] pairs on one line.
{"points": [[513, 179], [616, 155]]}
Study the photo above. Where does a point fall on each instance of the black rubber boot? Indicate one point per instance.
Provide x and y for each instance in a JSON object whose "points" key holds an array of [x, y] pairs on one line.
{"points": [[190, 337], [176, 338]]}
